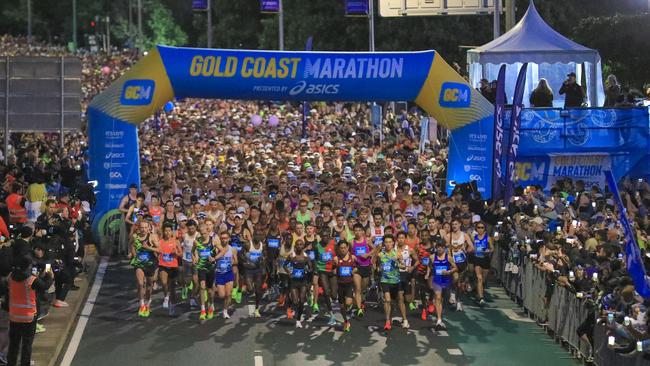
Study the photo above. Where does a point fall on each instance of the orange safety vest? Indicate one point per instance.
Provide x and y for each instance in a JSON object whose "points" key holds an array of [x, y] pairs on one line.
{"points": [[22, 300], [17, 213]]}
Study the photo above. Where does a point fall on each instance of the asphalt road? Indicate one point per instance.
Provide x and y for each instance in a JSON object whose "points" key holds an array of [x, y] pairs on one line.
{"points": [[115, 335]]}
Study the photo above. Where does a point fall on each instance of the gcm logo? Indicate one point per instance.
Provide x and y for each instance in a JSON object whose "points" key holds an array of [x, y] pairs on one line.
{"points": [[115, 175], [455, 95]]}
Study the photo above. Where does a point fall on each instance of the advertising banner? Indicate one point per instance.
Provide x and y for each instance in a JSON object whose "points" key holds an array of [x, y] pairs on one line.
{"points": [[515, 122], [269, 6], [356, 7], [497, 176]]}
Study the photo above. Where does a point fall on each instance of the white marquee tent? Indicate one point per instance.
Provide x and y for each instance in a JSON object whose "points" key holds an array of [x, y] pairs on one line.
{"points": [[549, 54]]}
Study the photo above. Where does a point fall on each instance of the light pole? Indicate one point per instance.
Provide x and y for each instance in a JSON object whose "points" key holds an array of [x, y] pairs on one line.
{"points": [[74, 25], [209, 23], [281, 26], [29, 21], [371, 21], [497, 19]]}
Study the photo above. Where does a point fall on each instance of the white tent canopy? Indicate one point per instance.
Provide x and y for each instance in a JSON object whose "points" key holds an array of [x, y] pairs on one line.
{"points": [[549, 55]]}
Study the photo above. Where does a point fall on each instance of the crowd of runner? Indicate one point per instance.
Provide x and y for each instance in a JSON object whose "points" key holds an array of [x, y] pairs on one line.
{"points": [[329, 223]]}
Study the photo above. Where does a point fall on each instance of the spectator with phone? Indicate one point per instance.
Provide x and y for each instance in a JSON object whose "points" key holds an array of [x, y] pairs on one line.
{"points": [[574, 94]]}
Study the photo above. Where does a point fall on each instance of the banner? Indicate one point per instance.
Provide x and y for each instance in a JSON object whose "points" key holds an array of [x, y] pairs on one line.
{"points": [[200, 4], [546, 170], [424, 133], [356, 8], [470, 157], [497, 175], [269, 6], [634, 262], [513, 144]]}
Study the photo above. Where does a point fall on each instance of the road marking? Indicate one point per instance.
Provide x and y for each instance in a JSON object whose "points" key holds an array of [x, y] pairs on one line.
{"points": [[85, 314], [454, 351], [516, 317], [259, 361]]}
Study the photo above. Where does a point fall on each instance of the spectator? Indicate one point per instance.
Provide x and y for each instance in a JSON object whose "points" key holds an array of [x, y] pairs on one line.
{"points": [[574, 94], [612, 91], [542, 96]]}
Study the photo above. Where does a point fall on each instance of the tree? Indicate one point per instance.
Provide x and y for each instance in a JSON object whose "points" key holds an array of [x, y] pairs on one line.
{"points": [[162, 29]]}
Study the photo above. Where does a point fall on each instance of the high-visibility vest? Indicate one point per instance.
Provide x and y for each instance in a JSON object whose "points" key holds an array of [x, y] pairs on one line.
{"points": [[17, 213], [22, 300]]}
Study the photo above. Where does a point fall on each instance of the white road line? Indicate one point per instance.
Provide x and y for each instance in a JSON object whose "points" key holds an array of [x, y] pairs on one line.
{"points": [[516, 317], [85, 314], [259, 361], [454, 351]]}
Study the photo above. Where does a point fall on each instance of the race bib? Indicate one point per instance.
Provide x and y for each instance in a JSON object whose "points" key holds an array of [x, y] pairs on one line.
{"points": [[326, 256], [144, 256], [223, 265], [345, 271], [425, 261], [204, 253], [273, 243], [255, 256], [360, 250], [387, 267], [188, 256], [156, 219], [440, 270], [379, 240], [298, 273], [168, 257], [459, 257], [311, 255]]}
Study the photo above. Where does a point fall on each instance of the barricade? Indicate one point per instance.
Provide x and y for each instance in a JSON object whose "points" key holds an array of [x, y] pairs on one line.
{"points": [[565, 312]]}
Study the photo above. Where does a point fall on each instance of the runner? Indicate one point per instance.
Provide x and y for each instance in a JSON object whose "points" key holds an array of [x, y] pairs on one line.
{"points": [[325, 275], [189, 276], [441, 269], [460, 244], [225, 273], [299, 265], [345, 267], [170, 252], [142, 248], [424, 252], [204, 257], [238, 236], [481, 258], [363, 254], [253, 263], [286, 251], [311, 239], [388, 265], [407, 261]]}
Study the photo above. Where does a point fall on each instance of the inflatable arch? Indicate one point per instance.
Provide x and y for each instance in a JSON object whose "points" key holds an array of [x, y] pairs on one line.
{"points": [[168, 72]]}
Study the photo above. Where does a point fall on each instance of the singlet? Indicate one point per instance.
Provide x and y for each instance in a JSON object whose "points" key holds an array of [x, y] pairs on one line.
{"points": [[156, 214], [338, 235], [412, 242], [389, 267], [253, 258], [273, 245], [481, 246], [458, 248], [168, 256], [204, 251], [440, 265], [325, 256], [143, 257], [424, 257], [378, 233], [359, 248], [303, 218], [167, 221], [295, 237], [405, 258], [187, 244], [311, 253], [224, 264], [344, 269], [298, 268], [235, 239]]}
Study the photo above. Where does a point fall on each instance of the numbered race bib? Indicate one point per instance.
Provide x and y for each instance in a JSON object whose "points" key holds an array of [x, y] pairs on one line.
{"points": [[144, 256], [255, 256], [379, 240], [204, 253], [387, 267], [345, 271], [360, 250], [168, 257], [156, 219], [459, 257], [273, 243], [311, 255], [440, 270], [188, 256], [223, 265], [337, 238], [298, 273], [237, 246], [326, 256], [425, 261], [480, 251]]}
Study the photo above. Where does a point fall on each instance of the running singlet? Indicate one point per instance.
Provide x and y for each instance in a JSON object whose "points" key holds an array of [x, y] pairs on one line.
{"points": [[405, 258], [143, 257], [173, 221], [167, 256], [273, 243], [424, 255], [188, 244], [325, 256], [224, 264], [235, 242], [457, 249], [344, 270], [303, 218], [156, 214], [359, 249], [298, 269], [253, 258], [282, 259], [311, 253], [379, 235], [440, 265], [389, 268], [204, 252], [481, 246]]}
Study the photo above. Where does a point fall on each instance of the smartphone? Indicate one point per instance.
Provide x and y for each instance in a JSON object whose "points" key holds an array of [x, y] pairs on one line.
{"points": [[574, 223], [611, 340], [48, 267]]}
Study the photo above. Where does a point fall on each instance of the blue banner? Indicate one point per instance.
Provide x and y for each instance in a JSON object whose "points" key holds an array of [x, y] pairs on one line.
{"points": [[314, 76], [356, 7], [497, 175], [515, 121], [270, 6], [634, 262], [114, 158], [199, 4]]}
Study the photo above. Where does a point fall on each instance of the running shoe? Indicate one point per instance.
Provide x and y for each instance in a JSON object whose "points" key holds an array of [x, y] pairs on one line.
{"points": [[412, 306], [387, 326], [452, 298], [405, 324], [60, 304], [210, 312], [147, 311], [315, 309], [281, 300], [238, 297], [360, 313], [346, 326], [225, 314], [172, 310], [265, 286], [424, 314], [233, 294], [440, 324], [257, 313], [459, 306], [289, 313], [165, 304], [190, 287], [482, 303], [298, 324], [141, 310], [40, 328], [184, 293], [332, 321], [203, 315], [468, 288], [431, 308]]}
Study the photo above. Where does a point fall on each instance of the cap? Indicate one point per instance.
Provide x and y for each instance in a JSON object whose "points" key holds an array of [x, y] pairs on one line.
{"points": [[537, 220], [571, 74], [247, 189], [182, 217], [239, 216], [191, 223]]}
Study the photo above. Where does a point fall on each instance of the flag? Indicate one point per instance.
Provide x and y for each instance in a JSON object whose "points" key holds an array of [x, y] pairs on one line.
{"points": [[497, 168], [513, 143], [634, 261]]}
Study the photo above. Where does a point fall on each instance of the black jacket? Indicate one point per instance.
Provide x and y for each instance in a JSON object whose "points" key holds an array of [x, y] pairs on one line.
{"points": [[575, 95]]}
